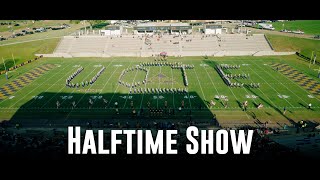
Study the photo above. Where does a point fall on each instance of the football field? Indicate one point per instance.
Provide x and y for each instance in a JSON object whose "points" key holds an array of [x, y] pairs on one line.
{"points": [[31, 94]]}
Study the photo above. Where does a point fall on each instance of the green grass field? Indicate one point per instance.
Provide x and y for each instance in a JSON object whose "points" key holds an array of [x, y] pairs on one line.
{"points": [[44, 35], [302, 45], [308, 26], [36, 102], [23, 24], [25, 51]]}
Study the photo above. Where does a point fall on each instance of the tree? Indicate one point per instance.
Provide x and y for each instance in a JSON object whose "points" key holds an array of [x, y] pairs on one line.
{"points": [[94, 22]]}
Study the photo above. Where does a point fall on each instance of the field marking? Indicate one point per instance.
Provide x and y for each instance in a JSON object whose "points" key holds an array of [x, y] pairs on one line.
{"points": [[90, 88], [264, 93], [82, 81], [158, 87], [248, 90], [221, 109], [298, 85], [237, 99], [145, 87], [28, 83], [259, 90], [62, 89], [229, 89], [269, 85], [212, 81], [281, 84], [33, 88], [50, 86], [199, 83], [134, 78], [174, 106], [117, 86]]}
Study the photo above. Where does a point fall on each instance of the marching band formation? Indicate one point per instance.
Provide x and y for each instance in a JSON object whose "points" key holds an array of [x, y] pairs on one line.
{"points": [[135, 84], [226, 77], [227, 66], [141, 67], [158, 90], [83, 84]]}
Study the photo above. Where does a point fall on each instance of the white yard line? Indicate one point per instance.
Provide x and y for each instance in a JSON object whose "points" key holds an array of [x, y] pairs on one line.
{"points": [[217, 108], [246, 89], [91, 86], [74, 89], [63, 88], [51, 86], [134, 78], [172, 88], [145, 87], [29, 83], [269, 86], [199, 83], [296, 85], [283, 85], [211, 81], [158, 88], [230, 90], [118, 86], [34, 88]]}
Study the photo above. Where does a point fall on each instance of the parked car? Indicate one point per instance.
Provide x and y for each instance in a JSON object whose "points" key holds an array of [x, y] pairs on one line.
{"points": [[29, 32]]}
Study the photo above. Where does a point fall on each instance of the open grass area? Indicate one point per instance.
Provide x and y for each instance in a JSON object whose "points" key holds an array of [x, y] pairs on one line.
{"points": [[44, 35], [308, 26], [35, 102], [285, 43], [23, 24], [24, 51]]}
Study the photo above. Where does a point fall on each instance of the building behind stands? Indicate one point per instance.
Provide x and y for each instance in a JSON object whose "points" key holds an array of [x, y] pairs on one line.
{"points": [[112, 30], [212, 29], [163, 28]]}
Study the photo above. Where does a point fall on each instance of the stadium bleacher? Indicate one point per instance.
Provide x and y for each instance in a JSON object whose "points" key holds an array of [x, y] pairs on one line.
{"points": [[182, 45]]}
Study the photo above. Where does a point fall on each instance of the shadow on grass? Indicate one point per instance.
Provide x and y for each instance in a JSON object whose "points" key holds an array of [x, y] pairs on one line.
{"points": [[264, 101], [39, 113]]}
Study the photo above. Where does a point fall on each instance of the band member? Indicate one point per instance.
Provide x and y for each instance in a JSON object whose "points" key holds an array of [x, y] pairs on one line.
{"points": [[105, 103], [58, 104], [90, 103]]}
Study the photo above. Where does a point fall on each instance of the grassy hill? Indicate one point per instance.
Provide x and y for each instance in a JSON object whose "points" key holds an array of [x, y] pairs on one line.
{"points": [[285, 43], [308, 26], [25, 51]]}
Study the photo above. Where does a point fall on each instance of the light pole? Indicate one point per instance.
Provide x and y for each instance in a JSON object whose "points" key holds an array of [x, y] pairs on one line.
{"points": [[310, 59]]}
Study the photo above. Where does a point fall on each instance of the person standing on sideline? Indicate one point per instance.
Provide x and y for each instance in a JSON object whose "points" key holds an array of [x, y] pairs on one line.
{"points": [[309, 106], [284, 110], [7, 75]]}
